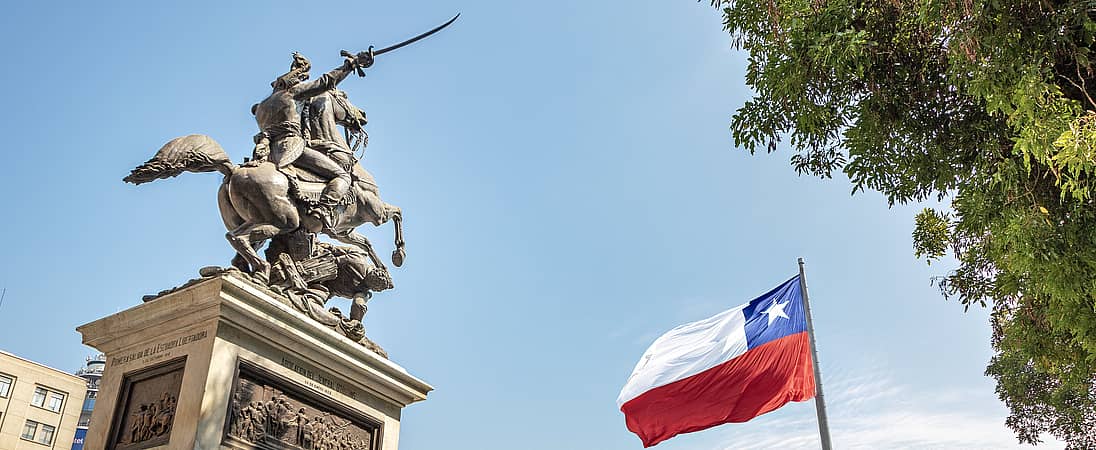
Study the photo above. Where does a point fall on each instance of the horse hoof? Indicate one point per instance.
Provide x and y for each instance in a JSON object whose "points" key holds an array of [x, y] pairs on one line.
{"points": [[262, 275], [241, 263], [397, 257]]}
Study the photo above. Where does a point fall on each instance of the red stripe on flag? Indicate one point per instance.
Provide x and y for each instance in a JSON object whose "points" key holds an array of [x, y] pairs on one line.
{"points": [[754, 383]]}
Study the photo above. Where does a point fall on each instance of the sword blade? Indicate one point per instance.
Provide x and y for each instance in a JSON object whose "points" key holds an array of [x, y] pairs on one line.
{"points": [[416, 38]]}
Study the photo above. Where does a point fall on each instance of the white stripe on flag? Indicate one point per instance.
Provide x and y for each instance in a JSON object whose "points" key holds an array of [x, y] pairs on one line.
{"points": [[688, 350]]}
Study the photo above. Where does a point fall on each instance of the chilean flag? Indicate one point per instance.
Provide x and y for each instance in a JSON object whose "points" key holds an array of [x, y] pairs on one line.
{"points": [[731, 367]]}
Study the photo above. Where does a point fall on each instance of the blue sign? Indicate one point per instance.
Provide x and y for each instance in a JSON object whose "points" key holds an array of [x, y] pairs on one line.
{"points": [[78, 441]]}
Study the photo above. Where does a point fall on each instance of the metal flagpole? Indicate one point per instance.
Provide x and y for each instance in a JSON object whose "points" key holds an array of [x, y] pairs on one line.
{"points": [[819, 399]]}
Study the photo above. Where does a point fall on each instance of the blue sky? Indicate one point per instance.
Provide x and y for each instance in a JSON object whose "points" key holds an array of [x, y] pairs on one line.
{"points": [[570, 189]]}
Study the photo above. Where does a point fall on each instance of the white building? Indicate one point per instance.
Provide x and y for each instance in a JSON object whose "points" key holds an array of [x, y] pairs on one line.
{"points": [[39, 405]]}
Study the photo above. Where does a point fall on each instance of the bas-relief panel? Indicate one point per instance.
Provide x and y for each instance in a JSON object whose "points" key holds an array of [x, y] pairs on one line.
{"points": [[146, 412], [264, 414]]}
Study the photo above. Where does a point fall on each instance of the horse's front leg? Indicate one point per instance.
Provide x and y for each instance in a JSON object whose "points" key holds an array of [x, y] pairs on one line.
{"points": [[398, 255], [357, 239], [373, 210]]}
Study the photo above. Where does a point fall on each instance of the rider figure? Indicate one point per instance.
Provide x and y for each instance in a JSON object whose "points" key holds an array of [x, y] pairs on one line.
{"points": [[281, 138]]}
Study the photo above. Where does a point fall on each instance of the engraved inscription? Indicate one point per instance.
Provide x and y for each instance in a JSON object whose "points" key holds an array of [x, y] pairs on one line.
{"points": [[158, 349], [264, 415], [323, 380]]}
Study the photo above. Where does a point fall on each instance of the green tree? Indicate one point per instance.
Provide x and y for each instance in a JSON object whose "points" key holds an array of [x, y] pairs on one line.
{"points": [[986, 103]]}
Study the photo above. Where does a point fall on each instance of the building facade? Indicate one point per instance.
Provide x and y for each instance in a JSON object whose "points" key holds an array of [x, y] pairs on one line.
{"points": [[39, 405], [92, 373]]}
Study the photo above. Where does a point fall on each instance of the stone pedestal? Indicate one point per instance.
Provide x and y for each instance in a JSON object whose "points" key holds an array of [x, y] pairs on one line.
{"points": [[225, 363]]}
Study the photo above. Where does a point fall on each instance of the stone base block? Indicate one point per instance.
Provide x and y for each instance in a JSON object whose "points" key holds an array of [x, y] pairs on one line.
{"points": [[225, 363]]}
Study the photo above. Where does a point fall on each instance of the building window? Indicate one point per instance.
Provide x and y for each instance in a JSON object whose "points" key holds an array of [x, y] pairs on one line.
{"points": [[39, 399], [29, 430], [55, 402], [5, 385], [45, 435], [38, 432], [47, 399]]}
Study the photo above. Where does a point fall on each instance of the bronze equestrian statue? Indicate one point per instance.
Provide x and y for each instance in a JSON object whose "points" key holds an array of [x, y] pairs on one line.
{"points": [[258, 201], [302, 179]]}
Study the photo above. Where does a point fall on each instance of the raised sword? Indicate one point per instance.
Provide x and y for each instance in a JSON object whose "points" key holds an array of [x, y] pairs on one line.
{"points": [[368, 55]]}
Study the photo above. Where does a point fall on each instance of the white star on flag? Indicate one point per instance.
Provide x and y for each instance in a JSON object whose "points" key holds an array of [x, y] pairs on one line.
{"points": [[776, 310]]}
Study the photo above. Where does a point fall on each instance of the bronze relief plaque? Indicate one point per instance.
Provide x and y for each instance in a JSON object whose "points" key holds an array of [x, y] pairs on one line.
{"points": [[269, 412], [146, 411]]}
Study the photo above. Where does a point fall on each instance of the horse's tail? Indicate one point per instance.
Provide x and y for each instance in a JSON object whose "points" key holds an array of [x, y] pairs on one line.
{"points": [[193, 153]]}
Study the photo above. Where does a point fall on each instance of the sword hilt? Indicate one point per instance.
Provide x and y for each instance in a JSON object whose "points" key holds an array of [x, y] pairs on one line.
{"points": [[354, 60]]}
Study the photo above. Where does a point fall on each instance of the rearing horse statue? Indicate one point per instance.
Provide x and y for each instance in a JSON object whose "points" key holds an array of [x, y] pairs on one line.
{"points": [[258, 201]]}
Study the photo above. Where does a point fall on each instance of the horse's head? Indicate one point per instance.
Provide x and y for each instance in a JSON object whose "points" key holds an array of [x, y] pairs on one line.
{"points": [[346, 113]]}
